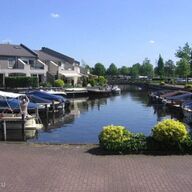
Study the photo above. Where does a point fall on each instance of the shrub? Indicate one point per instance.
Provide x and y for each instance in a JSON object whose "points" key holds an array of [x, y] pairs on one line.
{"points": [[188, 86], [92, 82], [14, 82], [136, 143], [169, 131], [113, 138], [186, 144], [101, 81], [118, 139], [59, 83], [162, 83]]}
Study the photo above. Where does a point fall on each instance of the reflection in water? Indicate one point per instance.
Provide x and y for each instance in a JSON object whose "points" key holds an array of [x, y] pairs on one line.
{"points": [[86, 117]]}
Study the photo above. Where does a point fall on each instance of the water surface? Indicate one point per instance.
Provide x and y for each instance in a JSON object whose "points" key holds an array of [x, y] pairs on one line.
{"points": [[87, 117]]}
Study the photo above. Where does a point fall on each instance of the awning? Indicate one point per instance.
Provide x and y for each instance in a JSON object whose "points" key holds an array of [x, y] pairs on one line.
{"points": [[72, 74]]}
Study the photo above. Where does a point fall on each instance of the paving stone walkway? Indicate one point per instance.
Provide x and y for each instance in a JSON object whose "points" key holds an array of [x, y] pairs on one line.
{"points": [[60, 168]]}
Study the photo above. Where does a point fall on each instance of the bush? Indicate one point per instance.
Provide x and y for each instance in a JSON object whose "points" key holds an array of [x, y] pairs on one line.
{"points": [[113, 138], [14, 82], [101, 81], [92, 82], [162, 83], [188, 86], [186, 145], [118, 139], [137, 143], [169, 131], [59, 83]]}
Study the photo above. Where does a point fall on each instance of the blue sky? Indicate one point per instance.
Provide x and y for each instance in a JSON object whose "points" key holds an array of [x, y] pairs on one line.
{"points": [[120, 31]]}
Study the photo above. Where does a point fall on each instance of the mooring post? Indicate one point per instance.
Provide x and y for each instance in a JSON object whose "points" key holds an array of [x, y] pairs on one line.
{"points": [[4, 131], [23, 126], [53, 111]]}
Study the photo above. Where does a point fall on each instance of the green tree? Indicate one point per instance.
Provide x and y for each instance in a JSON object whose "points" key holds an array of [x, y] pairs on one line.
{"points": [[99, 69], [124, 70], [146, 68], [183, 68], [135, 70], [185, 52], [88, 68], [160, 67], [101, 81], [112, 70], [169, 68]]}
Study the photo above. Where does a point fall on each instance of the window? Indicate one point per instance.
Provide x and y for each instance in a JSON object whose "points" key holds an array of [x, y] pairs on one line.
{"points": [[11, 63]]}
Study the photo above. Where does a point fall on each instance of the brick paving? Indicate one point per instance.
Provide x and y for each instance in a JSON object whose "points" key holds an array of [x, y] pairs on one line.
{"points": [[71, 168]]}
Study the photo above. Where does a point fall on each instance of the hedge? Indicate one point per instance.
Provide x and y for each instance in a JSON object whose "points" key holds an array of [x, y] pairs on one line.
{"points": [[15, 82]]}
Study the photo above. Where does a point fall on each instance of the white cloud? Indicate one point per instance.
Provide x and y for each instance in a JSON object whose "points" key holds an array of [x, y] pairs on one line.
{"points": [[6, 41], [55, 15], [151, 41]]}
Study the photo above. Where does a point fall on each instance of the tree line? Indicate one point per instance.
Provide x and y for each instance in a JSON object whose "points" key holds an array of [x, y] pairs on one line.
{"points": [[163, 69]]}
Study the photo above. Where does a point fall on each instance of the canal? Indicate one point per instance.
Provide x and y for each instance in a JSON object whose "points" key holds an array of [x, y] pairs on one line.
{"points": [[83, 123]]}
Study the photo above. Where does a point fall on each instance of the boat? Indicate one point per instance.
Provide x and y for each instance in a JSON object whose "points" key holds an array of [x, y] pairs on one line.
{"points": [[187, 112], [164, 98], [14, 105], [116, 90], [13, 113], [99, 91], [43, 94], [14, 123], [177, 101], [59, 93], [42, 103]]}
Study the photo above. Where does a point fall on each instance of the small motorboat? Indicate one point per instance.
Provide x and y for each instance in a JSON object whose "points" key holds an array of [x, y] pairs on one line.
{"points": [[45, 95], [116, 90]]}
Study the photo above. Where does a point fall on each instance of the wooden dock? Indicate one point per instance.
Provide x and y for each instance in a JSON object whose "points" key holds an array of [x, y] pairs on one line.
{"points": [[12, 130]]}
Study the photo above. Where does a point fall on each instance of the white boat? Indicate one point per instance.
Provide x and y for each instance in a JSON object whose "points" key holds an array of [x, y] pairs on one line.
{"points": [[116, 90], [61, 93], [14, 122]]}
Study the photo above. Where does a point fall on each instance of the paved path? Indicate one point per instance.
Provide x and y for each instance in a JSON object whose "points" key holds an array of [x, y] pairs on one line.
{"points": [[55, 168]]}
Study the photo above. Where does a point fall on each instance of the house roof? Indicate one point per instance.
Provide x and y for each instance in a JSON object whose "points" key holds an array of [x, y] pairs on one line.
{"points": [[58, 55], [16, 50], [47, 57]]}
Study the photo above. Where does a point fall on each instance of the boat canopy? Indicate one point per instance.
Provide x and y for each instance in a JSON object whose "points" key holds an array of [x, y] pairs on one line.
{"points": [[15, 104], [181, 97], [39, 100], [10, 94], [47, 96]]}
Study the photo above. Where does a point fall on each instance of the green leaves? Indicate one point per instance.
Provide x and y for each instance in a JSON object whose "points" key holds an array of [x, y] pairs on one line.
{"points": [[59, 83], [170, 131]]}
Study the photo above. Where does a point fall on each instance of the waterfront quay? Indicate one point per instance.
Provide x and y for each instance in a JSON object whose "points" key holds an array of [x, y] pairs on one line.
{"points": [[60, 168]]}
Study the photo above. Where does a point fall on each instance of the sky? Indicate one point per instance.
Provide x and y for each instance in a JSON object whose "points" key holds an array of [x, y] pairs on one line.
{"points": [[123, 32]]}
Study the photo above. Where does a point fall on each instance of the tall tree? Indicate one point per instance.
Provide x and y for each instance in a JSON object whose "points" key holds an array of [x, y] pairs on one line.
{"points": [[185, 52], [99, 69], [124, 70], [160, 67], [169, 68], [146, 68], [183, 68], [135, 70], [112, 70]]}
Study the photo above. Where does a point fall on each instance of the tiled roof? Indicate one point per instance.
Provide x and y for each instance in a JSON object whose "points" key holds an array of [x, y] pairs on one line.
{"points": [[58, 55], [46, 57], [16, 50]]}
